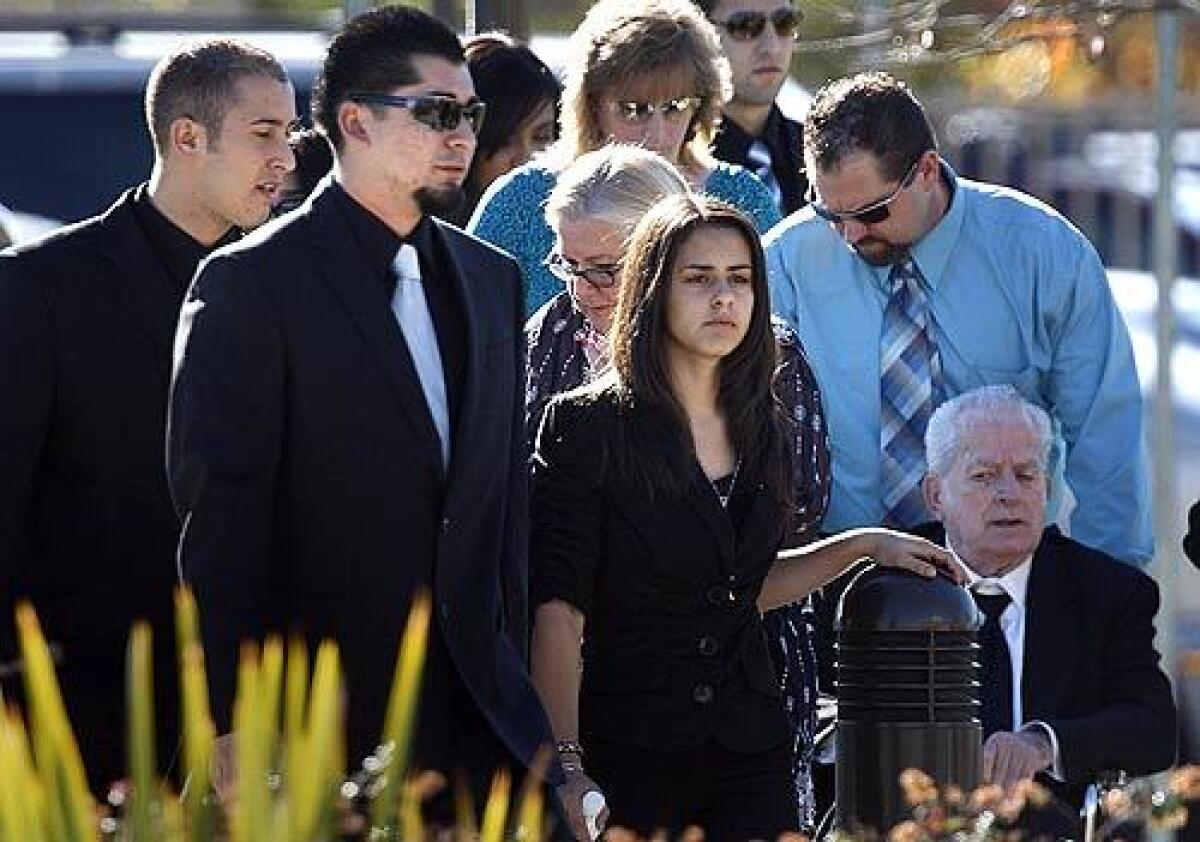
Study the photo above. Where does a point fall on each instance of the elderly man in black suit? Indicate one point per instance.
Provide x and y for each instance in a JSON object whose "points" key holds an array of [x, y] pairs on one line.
{"points": [[87, 316], [346, 426], [1071, 681]]}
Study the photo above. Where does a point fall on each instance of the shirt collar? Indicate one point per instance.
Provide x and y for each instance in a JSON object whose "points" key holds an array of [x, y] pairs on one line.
{"points": [[1015, 582], [932, 252], [180, 252], [734, 140], [375, 237]]}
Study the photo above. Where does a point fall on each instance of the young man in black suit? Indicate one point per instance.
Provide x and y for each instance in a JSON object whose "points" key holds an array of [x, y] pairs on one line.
{"points": [[87, 316], [346, 425], [1071, 682], [757, 37]]}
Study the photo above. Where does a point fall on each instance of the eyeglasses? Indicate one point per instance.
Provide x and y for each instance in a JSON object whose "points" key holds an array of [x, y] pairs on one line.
{"points": [[641, 112], [440, 113], [869, 214], [749, 25], [567, 270]]}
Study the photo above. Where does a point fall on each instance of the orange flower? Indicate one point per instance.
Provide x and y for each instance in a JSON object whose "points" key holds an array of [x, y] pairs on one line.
{"points": [[918, 787], [1117, 803], [906, 832], [987, 797], [1185, 782]]}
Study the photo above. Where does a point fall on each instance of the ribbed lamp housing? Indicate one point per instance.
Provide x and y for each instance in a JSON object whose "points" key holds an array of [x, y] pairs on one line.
{"points": [[907, 690]]}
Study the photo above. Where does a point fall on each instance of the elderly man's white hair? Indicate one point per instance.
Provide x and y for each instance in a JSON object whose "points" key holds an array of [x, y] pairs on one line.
{"points": [[984, 404]]}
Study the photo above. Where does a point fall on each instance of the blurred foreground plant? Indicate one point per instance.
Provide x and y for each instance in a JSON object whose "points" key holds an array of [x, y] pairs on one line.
{"points": [[288, 750], [989, 813]]}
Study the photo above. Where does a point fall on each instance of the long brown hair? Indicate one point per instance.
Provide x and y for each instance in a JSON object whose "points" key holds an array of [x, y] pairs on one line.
{"points": [[639, 353]]}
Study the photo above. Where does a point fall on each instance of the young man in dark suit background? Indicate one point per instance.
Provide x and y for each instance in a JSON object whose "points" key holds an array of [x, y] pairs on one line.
{"points": [[757, 37], [346, 426], [87, 316]]}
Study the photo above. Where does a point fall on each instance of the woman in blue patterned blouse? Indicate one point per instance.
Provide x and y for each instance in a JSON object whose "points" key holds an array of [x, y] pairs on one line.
{"points": [[593, 209], [648, 72]]}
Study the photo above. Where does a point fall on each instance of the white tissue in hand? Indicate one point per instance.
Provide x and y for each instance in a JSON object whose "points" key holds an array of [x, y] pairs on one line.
{"points": [[593, 804]]}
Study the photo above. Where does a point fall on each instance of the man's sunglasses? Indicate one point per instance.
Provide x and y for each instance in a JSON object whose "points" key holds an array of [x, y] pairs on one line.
{"points": [[633, 111], [870, 214], [440, 113], [748, 25]]}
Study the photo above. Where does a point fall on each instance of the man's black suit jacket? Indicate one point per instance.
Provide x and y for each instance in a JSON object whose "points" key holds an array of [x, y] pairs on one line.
{"points": [[1090, 669], [784, 138], [87, 531], [306, 467]]}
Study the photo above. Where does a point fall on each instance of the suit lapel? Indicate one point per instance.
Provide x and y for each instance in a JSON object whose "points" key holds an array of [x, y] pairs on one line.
{"points": [[702, 500], [347, 273], [463, 275], [137, 278], [1051, 635]]}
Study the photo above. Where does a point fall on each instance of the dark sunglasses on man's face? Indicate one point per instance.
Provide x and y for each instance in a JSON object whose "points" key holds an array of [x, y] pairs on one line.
{"points": [[749, 25], [438, 112], [871, 214]]}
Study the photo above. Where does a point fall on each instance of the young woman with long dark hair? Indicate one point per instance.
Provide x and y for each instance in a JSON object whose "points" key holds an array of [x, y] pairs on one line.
{"points": [[661, 498]]}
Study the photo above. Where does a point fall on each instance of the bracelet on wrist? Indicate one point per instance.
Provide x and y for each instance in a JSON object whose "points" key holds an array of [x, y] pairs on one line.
{"points": [[568, 747]]}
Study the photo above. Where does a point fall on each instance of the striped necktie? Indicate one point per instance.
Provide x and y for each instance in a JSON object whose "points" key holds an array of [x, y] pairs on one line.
{"points": [[909, 379]]}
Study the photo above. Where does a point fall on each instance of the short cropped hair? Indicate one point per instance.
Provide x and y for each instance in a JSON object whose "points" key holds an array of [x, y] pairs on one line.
{"points": [[372, 54], [616, 184], [199, 81], [621, 42], [868, 112], [946, 425]]}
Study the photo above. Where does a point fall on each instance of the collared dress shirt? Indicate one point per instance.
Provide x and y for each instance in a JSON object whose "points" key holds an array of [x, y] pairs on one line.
{"points": [[784, 139], [1015, 583], [1018, 295]]}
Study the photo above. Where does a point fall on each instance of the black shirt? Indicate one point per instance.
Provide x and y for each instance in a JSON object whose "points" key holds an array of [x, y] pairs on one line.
{"points": [[380, 245], [784, 139], [176, 249]]}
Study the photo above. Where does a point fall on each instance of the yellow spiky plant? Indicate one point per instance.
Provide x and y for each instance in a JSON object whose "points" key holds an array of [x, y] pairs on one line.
{"points": [[287, 747]]}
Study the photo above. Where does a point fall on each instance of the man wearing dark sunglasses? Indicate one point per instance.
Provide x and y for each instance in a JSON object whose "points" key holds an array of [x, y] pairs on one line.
{"points": [[757, 37], [347, 418], [909, 285]]}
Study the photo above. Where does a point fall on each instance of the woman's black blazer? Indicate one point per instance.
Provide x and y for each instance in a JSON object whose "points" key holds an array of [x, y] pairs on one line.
{"points": [[674, 652]]}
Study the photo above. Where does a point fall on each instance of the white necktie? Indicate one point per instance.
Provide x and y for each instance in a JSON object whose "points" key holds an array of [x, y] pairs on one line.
{"points": [[412, 312], [759, 157]]}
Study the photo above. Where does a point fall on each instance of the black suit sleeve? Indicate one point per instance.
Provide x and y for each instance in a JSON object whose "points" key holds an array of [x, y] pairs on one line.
{"points": [[223, 446], [1134, 729], [514, 562], [26, 389], [566, 509]]}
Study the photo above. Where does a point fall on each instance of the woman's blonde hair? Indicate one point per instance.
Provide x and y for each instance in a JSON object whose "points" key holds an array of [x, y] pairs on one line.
{"points": [[616, 184], [621, 42]]}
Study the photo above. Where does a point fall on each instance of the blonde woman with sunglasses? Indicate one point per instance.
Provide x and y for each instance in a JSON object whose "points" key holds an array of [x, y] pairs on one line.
{"points": [[644, 72]]}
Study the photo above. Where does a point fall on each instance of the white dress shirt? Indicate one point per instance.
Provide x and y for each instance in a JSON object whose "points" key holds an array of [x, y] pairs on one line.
{"points": [[1015, 583]]}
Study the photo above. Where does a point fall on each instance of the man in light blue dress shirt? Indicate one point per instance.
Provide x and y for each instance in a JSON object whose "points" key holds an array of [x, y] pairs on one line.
{"points": [[1013, 293]]}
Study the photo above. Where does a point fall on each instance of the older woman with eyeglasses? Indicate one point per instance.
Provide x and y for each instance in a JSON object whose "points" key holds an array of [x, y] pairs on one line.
{"points": [[592, 211], [595, 204], [645, 72]]}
